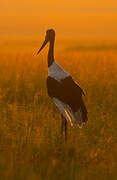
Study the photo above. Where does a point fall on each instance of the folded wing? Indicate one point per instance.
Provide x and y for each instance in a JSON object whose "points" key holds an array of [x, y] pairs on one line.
{"points": [[69, 93]]}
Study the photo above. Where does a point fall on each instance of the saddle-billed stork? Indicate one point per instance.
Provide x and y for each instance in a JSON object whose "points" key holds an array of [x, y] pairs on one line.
{"points": [[65, 93]]}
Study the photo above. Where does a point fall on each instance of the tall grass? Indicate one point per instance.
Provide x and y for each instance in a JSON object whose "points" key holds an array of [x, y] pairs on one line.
{"points": [[30, 143]]}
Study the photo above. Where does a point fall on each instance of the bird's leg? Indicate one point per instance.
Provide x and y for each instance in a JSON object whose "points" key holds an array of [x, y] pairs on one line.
{"points": [[64, 127]]}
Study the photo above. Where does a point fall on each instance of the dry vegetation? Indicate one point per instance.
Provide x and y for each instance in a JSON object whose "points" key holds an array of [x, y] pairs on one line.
{"points": [[30, 143]]}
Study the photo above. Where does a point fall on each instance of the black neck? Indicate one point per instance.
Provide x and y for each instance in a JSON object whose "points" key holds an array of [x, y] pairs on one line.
{"points": [[51, 53]]}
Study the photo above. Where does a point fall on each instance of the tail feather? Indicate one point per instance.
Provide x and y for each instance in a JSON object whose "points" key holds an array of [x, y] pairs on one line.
{"points": [[79, 117], [84, 112], [81, 114]]}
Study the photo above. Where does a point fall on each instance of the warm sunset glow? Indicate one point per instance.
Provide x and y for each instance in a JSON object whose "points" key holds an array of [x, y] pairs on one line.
{"points": [[51, 80], [84, 17]]}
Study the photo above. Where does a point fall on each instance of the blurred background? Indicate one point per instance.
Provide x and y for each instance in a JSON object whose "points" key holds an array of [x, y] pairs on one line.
{"points": [[30, 18], [86, 47]]}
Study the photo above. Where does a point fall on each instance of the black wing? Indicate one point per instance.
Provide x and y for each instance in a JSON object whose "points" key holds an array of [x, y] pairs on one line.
{"points": [[67, 91]]}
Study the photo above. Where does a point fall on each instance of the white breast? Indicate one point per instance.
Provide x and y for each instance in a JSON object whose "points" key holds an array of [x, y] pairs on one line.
{"points": [[55, 71]]}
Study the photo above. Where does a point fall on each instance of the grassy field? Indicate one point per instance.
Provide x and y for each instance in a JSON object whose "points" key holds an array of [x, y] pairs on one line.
{"points": [[31, 147]]}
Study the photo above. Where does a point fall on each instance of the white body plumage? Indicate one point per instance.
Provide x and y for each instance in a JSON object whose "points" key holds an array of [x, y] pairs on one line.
{"points": [[57, 72]]}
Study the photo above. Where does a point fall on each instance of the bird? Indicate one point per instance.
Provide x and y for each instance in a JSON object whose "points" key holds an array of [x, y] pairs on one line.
{"points": [[63, 90]]}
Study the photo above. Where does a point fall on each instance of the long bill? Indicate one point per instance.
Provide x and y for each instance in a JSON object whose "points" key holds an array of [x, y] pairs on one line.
{"points": [[43, 45]]}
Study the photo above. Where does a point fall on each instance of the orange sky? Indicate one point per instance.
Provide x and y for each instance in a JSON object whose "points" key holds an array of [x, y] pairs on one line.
{"points": [[68, 17]]}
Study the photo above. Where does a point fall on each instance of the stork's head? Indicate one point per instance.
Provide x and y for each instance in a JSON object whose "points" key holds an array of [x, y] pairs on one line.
{"points": [[50, 36]]}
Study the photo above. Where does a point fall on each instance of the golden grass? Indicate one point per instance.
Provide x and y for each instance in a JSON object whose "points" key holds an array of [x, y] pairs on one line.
{"points": [[30, 143]]}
